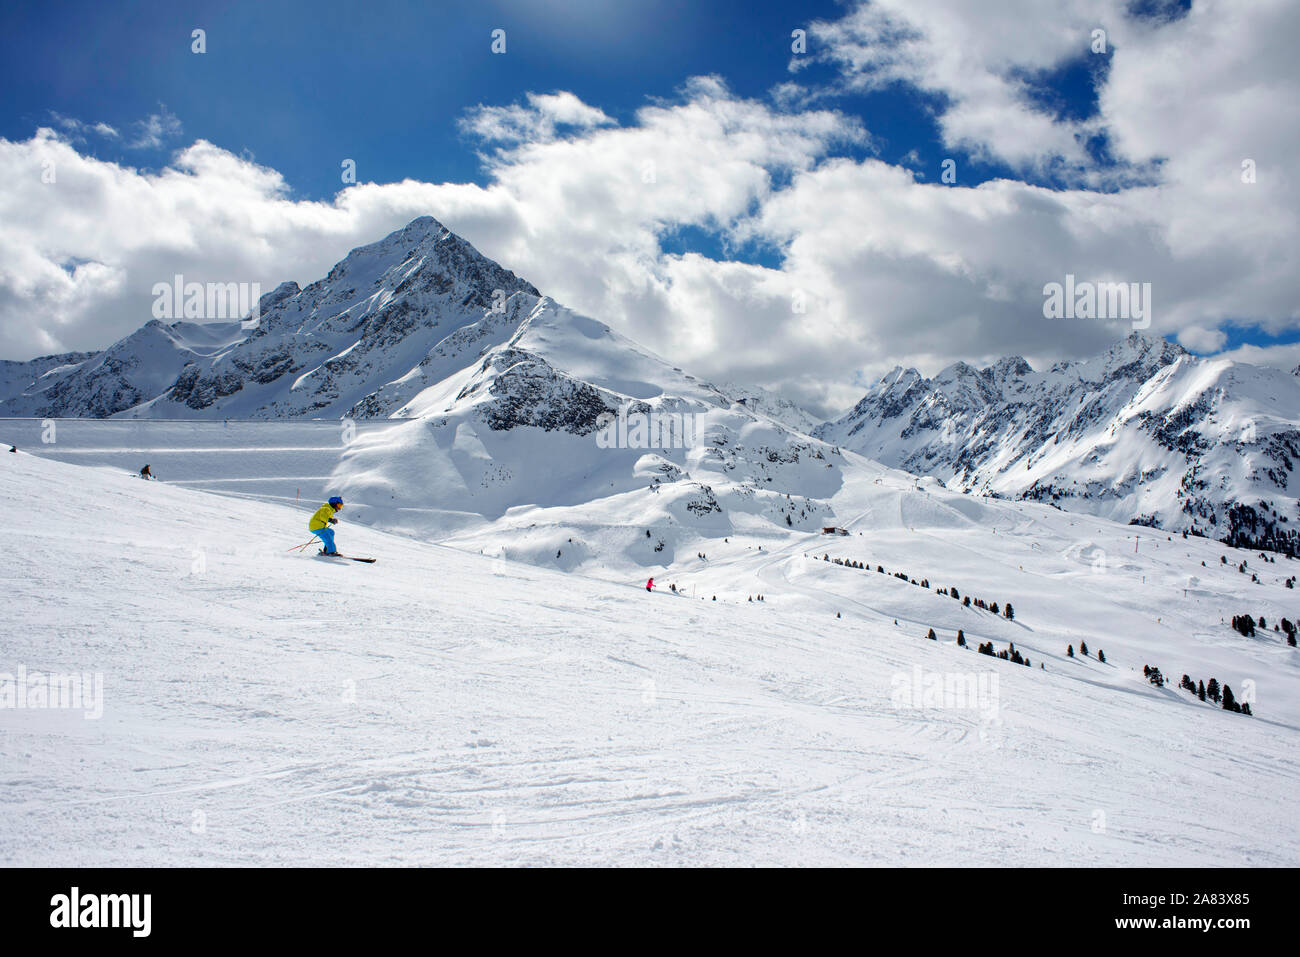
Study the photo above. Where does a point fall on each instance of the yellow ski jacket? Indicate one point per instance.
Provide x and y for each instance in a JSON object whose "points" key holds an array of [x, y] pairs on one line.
{"points": [[321, 518]]}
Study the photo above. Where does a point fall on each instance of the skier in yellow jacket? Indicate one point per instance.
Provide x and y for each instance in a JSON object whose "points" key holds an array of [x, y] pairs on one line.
{"points": [[321, 521]]}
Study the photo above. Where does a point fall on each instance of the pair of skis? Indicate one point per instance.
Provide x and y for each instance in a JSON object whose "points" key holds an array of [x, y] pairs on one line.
{"points": [[350, 558]]}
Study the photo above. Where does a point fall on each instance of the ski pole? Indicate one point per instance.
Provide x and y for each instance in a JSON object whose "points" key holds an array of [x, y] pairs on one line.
{"points": [[302, 546]]}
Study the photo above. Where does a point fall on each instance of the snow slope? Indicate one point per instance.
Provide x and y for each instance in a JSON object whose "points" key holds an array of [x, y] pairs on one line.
{"points": [[270, 460], [522, 429], [443, 707]]}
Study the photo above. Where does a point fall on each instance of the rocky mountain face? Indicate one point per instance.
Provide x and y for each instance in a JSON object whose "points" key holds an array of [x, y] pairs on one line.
{"points": [[38, 374], [390, 318], [1145, 432]]}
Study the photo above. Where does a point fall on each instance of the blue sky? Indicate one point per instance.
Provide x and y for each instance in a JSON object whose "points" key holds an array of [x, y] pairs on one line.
{"points": [[1010, 92], [385, 84]]}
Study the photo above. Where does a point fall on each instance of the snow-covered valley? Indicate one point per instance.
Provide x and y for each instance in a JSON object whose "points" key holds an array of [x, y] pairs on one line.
{"points": [[470, 699]]}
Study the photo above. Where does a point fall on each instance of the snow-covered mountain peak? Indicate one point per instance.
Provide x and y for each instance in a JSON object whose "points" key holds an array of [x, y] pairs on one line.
{"points": [[963, 386], [390, 318], [580, 428], [1011, 367], [1135, 357]]}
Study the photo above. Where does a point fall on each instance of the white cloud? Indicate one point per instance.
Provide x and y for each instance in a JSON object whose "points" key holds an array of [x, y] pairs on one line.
{"points": [[540, 120], [78, 130], [888, 269], [1200, 339], [977, 57], [1279, 357], [154, 130]]}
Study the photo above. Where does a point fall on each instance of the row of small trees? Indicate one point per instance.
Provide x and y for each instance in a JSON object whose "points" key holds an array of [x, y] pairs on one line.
{"points": [[1211, 692], [1219, 694], [1007, 654], [1246, 625], [1005, 611], [1083, 650], [986, 648]]}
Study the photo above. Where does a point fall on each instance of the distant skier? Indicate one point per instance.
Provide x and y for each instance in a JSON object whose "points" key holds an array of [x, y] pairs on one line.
{"points": [[146, 474], [322, 520], [650, 585]]}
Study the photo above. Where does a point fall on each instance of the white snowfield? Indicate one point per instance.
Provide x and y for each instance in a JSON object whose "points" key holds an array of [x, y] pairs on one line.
{"points": [[442, 707]]}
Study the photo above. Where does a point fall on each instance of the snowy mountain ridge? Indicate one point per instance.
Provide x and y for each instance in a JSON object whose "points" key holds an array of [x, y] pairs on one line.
{"points": [[1145, 432], [421, 326], [390, 317]]}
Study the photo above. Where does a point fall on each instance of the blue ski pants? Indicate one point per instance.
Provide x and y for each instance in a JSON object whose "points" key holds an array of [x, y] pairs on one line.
{"points": [[326, 535]]}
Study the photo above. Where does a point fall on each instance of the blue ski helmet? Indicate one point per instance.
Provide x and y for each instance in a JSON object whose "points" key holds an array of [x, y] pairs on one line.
{"points": [[336, 501]]}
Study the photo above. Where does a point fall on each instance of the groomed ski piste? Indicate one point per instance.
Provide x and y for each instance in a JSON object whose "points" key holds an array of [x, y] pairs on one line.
{"points": [[446, 707]]}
